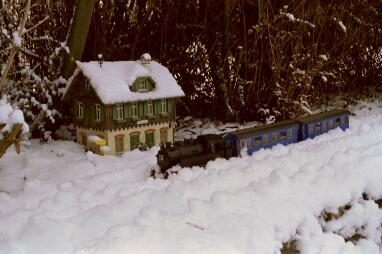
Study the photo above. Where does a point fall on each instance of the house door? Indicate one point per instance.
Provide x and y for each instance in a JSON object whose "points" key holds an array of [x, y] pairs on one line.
{"points": [[119, 144], [163, 136], [84, 140]]}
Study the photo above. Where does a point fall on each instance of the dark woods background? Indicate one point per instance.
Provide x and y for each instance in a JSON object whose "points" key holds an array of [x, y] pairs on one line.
{"points": [[235, 59]]}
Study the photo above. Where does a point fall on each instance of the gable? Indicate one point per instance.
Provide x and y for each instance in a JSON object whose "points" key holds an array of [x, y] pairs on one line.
{"points": [[79, 86]]}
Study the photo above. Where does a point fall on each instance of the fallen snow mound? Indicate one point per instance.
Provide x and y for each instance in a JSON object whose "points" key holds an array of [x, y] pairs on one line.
{"points": [[323, 194]]}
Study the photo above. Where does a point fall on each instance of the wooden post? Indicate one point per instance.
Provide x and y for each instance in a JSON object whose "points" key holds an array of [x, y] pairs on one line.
{"points": [[10, 138]]}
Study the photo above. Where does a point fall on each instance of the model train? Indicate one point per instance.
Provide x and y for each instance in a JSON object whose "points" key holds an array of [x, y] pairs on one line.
{"points": [[211, 146]]}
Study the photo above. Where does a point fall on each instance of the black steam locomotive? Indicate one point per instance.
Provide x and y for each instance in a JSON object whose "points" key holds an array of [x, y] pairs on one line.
{"points": [[211, 146]]}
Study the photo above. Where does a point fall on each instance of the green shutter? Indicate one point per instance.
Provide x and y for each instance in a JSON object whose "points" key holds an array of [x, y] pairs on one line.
{"points": [[157, 107], [141, 109], [114, 113], [145, 111], [127, 110], [169, 105]]}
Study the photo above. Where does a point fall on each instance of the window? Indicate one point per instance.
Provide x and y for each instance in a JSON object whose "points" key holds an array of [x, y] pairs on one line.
{"points": [[134, 107], [150, 109], [134, 141], [274, 137], [119, 144], [163, 135], [80, 110], [310, 128], [290, 133], [317, 127], [283, 135], [163, 106], [97, 112], [266, 139], [343, 120], [330, 124], [242, 144], [337, 122], [257, 141], [324, 125], [150, 138], [119, 110], [142, 85]]}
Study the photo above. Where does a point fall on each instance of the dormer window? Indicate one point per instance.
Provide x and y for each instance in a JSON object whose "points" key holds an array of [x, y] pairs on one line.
{"points": [[142, 86]]}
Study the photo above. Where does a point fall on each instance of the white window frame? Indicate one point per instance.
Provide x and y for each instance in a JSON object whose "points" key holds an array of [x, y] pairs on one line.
{"points": [[150, 108], [142, 85], [80, 111], [134, 109], [163, 104], [97, 112], [119, 110]]}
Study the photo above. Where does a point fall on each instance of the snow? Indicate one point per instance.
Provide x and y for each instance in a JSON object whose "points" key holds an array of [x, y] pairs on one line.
{"points": [[55, 198], [93, 138], [105, 149], [343, 27], [324, 57], [146, 57], [17, 39], [112, 80]]}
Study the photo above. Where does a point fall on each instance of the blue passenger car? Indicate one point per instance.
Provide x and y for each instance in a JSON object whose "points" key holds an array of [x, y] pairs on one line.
{"points": [[264, 136], [316, 124]]}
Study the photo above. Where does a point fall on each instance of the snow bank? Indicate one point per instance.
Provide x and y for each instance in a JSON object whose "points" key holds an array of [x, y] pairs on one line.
{"points": [[72, 204]]}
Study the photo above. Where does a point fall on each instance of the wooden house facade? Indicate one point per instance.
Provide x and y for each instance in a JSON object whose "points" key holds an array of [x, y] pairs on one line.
{"points": [[127, 104]]}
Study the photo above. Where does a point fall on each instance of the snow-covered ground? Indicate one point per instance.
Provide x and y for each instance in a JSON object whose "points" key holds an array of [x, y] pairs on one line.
{"points": [[319, 193]]}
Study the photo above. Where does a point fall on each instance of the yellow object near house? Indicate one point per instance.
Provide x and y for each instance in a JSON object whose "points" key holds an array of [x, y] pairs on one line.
{"points": [[97, 145]]}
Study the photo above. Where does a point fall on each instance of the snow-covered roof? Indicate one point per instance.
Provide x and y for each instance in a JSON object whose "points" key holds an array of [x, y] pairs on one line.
{"points": [[112, 80]]}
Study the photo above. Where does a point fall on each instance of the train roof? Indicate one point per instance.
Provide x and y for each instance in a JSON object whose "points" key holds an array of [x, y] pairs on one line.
{"points": [[264, 128], [319, 116]]}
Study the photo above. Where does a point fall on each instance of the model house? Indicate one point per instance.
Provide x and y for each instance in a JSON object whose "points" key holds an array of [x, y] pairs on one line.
{"points": [[120, 106]]}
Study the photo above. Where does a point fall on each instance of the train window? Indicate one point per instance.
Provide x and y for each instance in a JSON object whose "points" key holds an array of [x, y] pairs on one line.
{"points": [[257, 141], [248, 142], [323, 125], [290, 133], [242, 144], [274, 137], [337, 122], [310, 128], [283, 135], [317, 127], [330, 124], [343, 120], [266, 139]]}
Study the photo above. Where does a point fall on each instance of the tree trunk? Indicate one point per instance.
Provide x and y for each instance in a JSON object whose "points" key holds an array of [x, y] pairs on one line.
{"points": [[77, 35]]}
